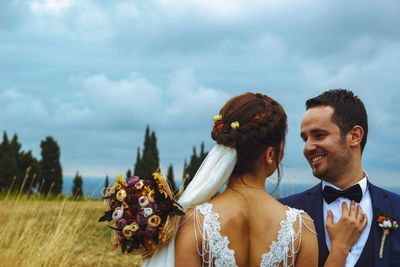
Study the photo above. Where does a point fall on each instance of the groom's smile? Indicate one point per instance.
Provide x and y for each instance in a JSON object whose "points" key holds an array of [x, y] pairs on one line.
{"points": [[324, 147]]}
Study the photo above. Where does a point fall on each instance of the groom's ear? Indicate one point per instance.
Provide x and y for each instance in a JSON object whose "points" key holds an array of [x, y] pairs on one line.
{"points": [[355, 136]]}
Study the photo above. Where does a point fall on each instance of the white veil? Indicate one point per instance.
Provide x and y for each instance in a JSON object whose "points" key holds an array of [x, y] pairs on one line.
{"points": [[210, 177]]}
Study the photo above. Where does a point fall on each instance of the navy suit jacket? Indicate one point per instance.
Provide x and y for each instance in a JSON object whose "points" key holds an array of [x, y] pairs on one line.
{"points": [[311, 202]]}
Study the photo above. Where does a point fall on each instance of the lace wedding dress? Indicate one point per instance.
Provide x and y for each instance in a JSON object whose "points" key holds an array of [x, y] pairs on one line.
{"points": [[215, 249]]}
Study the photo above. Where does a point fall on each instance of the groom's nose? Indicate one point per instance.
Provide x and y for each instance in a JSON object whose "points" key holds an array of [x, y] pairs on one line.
{"points": [[309, 146]]}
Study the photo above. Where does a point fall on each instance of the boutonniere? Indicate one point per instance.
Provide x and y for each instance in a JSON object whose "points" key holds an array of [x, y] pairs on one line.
{"points": [[387, 224]]}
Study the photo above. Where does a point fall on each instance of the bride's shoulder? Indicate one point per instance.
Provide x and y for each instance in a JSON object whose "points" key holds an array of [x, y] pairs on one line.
{"points": [[300, 218], [194, 215]]}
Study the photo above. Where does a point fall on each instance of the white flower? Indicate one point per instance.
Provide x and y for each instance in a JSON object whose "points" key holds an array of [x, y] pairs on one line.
{"points": [[387, 224], [139, 185], [143, 201], [117, 214], [147, 212]]}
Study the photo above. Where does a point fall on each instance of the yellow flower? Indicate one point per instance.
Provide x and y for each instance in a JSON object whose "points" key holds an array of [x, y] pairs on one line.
{"points": [[163, 193], [217, 117], [127, 231], [139, 185], [134, 226], [121, 181], [154, 221], [235, 125], [121, 195], [146, 189], [157, 176], [150, 196]]}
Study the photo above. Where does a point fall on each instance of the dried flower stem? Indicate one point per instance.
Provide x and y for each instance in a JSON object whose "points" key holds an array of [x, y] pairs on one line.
{"points": [[385, 233]]}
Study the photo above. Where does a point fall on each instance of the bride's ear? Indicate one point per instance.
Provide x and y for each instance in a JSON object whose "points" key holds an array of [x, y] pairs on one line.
{"points": [[269, 155]]}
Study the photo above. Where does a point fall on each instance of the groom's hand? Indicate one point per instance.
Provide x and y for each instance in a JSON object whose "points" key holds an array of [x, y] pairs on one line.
{"points": [[345, 233]]}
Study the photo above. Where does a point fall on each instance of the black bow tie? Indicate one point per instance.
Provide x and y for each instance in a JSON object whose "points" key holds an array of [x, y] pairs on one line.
{"points": [[353, 193]]}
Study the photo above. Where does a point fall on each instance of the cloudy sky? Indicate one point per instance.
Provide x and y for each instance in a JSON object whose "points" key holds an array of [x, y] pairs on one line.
{"points": [[93, 74]]}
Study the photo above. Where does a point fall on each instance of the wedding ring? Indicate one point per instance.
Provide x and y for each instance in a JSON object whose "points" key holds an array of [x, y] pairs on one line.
{"points": [[361, 219]]}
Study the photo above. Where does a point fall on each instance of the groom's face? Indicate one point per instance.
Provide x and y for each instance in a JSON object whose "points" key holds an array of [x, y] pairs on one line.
{"points": [[325, 149]]}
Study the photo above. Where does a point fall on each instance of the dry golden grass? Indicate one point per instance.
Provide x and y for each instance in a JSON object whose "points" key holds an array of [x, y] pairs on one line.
{"points": [[56, 233]]}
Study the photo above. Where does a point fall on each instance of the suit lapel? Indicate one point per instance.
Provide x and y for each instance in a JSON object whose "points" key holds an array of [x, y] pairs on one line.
{"points": [[379, 201], [313, 206]]}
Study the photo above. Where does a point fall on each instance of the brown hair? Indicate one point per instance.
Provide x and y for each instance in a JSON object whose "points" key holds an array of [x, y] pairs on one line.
{"points": [[263, 123], [348, 109]]}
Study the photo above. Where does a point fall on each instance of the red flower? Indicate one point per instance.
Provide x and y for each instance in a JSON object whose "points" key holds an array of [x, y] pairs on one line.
{"points": [[381, 219], [219, 124]]}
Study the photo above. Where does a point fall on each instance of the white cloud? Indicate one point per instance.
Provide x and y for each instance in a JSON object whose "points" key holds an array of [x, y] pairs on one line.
{"points": [[50, 7], [19, 108], [219, 48]]}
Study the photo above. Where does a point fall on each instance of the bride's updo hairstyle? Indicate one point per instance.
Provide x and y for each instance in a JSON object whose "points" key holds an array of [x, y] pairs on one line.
{"points": [[250, 123]]}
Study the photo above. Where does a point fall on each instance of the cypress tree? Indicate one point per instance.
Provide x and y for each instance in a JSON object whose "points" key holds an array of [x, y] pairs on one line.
{"points": [[17, 168], [77, 187], [51, 172], [129, 173], [28, 167], [8, 164], [106, 184], [138, 164], [170, 177], [155, 160], [149, 162], [189, 170]]}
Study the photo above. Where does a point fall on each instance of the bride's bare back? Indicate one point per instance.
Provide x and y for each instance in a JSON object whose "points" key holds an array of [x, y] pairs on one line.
{"points": [[250, 219]]}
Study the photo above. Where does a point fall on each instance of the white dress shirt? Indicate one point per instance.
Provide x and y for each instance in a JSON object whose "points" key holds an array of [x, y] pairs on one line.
{"points": [[336, 208]]}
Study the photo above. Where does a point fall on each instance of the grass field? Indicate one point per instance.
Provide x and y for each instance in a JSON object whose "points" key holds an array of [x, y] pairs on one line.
{"points": [[56, 233]]}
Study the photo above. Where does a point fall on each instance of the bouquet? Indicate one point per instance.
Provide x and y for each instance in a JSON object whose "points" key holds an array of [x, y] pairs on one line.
{"points": [[142, 213]]}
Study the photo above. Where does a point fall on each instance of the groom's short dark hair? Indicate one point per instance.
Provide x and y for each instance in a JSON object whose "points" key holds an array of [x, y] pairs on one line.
{"points": [[349, 110]]}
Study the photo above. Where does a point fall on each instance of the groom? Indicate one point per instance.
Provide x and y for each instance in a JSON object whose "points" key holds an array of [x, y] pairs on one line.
{"points": [[334, 130]]}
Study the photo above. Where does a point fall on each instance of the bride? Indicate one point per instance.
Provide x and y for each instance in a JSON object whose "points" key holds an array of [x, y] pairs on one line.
{"points": [[244, 225]]}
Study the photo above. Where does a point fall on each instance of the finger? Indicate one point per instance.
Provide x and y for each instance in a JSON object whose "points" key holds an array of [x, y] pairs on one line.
{"points": [[329, 219], [352, 209], [360, 214], [345, 210], [365, 222]]}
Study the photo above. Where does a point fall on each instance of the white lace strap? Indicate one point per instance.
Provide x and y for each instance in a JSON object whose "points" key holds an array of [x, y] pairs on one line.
{"points": [[215, 250], [283, 247]]}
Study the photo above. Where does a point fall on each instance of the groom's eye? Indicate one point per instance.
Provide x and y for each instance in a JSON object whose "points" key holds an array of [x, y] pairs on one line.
{"points": [[319, 136]]}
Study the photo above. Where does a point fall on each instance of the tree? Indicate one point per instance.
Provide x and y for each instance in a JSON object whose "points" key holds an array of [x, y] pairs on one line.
{"points": [[50, 166], [170, 177], [77, 187], [106, 182], [17, 168], [8, 163], [129, 173], [28, 165], [138, 164], [190, 169], [149, 161]]}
